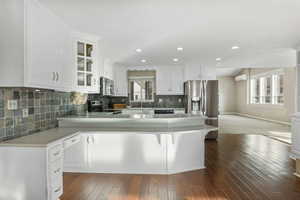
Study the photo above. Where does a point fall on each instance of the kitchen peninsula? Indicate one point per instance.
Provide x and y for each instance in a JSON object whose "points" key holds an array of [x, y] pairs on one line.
{"points": [[103, 143]]}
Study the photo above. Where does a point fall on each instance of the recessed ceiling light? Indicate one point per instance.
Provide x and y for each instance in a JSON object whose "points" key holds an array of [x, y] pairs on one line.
{"points": [[179, 48], [218, 59], [175, 59], [235, 47], [143, 60], [138, 50]]}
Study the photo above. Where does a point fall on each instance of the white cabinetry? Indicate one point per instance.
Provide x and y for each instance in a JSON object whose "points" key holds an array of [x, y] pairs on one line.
{"points": [[86, 76], [31, 172], [116, 152], [120, 81], [75, 156], [42, 52], [48, 47], [169, 80]]}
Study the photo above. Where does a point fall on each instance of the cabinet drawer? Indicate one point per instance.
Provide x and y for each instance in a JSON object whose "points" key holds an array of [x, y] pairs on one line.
{"points": [[56, 192], [56, 172], [71, 141], [55, 153]]}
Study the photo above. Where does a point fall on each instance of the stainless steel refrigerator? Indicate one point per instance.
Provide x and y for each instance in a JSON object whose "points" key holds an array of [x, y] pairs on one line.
{"points": [[201, 97]]}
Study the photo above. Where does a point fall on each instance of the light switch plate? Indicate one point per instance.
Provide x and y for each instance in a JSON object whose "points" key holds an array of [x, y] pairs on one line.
{"points": [[12, 105], [25, 112]]}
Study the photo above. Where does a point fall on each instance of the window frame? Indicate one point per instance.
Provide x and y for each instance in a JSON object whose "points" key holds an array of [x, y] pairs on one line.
{"points": [[274, 88], [144, 78]]}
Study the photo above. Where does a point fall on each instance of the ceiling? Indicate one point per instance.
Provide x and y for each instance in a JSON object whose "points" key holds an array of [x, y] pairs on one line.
{"points": [[206, 29]]}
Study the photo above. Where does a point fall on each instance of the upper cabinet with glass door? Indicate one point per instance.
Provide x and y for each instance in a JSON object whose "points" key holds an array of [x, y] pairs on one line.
{"points": [[86, 74]]}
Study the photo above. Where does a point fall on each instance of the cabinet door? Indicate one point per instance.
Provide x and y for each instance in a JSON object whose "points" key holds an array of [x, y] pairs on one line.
{"points": [[46, 42], [126, 153], [86, 78], [163, 81], [76, 156], [177, 80], [120, 81]]}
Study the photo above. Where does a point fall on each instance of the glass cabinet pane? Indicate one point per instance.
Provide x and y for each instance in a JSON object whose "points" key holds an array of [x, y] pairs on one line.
{"points": [[89, 79], [89, 64], [80, 48], [80, 64], [89, 49], [80, 79]]}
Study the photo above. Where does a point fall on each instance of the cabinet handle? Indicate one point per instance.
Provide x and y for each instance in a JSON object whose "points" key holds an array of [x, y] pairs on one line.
{"points": [[53, 76], [57, 76], [57, 171], [93, 140], [57, 190], [88, 139], [74, 140], [57, 153]]}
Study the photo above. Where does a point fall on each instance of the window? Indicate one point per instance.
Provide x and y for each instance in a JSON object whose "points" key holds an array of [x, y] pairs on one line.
{"points": [[267, 89], [84, 64], [141, 86]]}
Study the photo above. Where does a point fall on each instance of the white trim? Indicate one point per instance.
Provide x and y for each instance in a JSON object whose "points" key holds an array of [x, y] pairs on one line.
{"points": [[264, 119]]}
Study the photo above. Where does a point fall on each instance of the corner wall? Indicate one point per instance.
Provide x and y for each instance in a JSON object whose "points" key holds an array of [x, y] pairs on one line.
{"points": [[227, 100]]}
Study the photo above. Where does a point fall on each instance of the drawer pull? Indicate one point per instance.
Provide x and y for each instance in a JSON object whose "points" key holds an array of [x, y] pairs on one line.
{"points": [[74, 140], [57, 190], [57, 153], [57, 171]]}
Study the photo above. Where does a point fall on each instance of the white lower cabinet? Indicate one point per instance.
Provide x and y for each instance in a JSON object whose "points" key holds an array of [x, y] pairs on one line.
{"points": [[55, 171], [76, 155], [116, 152], [30, 173]]}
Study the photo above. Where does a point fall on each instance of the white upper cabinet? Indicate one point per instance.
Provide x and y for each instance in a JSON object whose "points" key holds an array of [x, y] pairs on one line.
{"points": [[86, 77], [42, 53], [120, 81], [169, 80], [47, 49]]}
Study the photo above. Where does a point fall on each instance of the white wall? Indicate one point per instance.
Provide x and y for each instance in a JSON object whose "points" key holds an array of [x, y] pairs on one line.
{"points": [[11, 42], [274, 58], [227, 95]]}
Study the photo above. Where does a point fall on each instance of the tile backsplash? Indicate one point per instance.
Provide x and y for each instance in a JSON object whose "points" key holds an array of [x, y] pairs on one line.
{"points": [[160, 101], [36, 110]]}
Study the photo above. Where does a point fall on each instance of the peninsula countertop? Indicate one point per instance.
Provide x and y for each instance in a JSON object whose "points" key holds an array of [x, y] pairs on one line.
{"points": [[47, 137], [111, 123], [110, 115]]}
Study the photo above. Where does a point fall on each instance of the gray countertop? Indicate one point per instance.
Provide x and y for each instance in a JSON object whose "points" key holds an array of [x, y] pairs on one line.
{"points": [[109, 123], [131, 116], [45, 138]]}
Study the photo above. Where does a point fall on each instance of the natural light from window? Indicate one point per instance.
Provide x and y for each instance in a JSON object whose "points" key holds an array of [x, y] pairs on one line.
{"points": [[267, 89]]}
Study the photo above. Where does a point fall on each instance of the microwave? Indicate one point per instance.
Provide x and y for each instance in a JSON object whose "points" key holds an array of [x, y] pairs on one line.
{"points": [[106, 87]]}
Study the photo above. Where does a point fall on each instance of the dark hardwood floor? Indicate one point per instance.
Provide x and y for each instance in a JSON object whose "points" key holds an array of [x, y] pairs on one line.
{"points": [[239, 167]]}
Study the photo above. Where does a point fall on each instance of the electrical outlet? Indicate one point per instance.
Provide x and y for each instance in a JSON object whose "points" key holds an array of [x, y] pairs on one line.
{"points": [[25, 112], [160, 100], [179, 100], [12, 105]]}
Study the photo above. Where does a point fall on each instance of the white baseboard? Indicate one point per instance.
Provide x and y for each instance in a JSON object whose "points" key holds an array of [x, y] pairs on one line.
{"points": [[261, 118], [228, 113]]}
